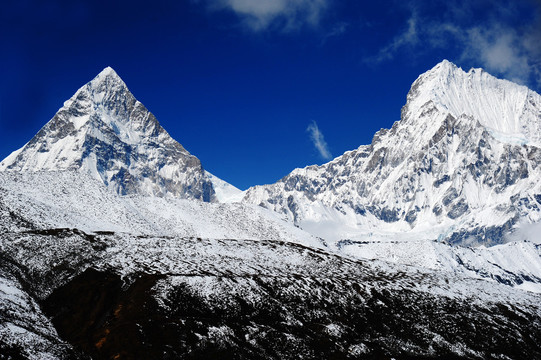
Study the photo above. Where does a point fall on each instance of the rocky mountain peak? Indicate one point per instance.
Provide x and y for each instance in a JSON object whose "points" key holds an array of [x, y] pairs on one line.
{"points": [[103, 130], [462, 165], [108, 71], [443, 69], [103, 89], [510, 111], [107, 76]]}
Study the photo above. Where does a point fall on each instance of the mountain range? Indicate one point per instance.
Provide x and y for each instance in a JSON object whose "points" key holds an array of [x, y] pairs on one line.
{"points": [[461, 165], [116, 243]]}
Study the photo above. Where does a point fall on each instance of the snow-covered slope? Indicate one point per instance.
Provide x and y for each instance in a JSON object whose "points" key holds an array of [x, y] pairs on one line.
{"points": [[516, 263], [69, 199], [104, 131], [462, 165], [38, 201], [192, 298], [510, 112], [225, 192], [25, 332]]}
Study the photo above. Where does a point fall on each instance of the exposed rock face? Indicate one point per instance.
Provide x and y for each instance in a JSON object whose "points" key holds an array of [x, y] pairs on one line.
{"points": [[105, 131], [462, 163]]}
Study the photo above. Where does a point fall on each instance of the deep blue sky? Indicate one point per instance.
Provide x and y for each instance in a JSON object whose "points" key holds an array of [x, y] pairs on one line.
{"points": [[240, 82]]}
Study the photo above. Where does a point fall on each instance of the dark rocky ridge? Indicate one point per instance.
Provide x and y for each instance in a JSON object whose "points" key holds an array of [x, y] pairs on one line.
{"points": [[335, 320], [112, 295]]}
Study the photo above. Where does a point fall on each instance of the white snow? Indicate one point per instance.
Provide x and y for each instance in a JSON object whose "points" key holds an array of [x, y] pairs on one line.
{"points": [[19, 310], [391, 173], [225, 192], [449, 113], [69, 199], [500, 105]]}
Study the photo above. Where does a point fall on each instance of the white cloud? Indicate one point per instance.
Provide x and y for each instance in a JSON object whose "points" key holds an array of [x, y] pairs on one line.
{"points": [[318, 140], [285, 15], [495, 43], [337, 30], [500, 51], [408, 38]]}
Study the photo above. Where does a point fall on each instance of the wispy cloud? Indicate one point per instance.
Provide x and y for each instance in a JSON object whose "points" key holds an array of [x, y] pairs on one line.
{"points": [[500, 50], [494, 42], [408, 38], [285, 15], [319, 141], [336, 31]]}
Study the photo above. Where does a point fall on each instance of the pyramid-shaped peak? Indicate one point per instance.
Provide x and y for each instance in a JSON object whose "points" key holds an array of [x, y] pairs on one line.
{"points": [[103, 130], [108, 72], [107, 78], [106, 89]]}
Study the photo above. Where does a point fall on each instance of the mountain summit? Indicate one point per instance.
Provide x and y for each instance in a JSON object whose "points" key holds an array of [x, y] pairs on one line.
{"points": [[507, 110], [462, 165], [105, 131]]}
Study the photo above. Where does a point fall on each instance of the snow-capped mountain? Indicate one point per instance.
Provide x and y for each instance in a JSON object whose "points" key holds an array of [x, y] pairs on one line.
{"points": [[104, 131], [115, 243], [461, 165]]}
